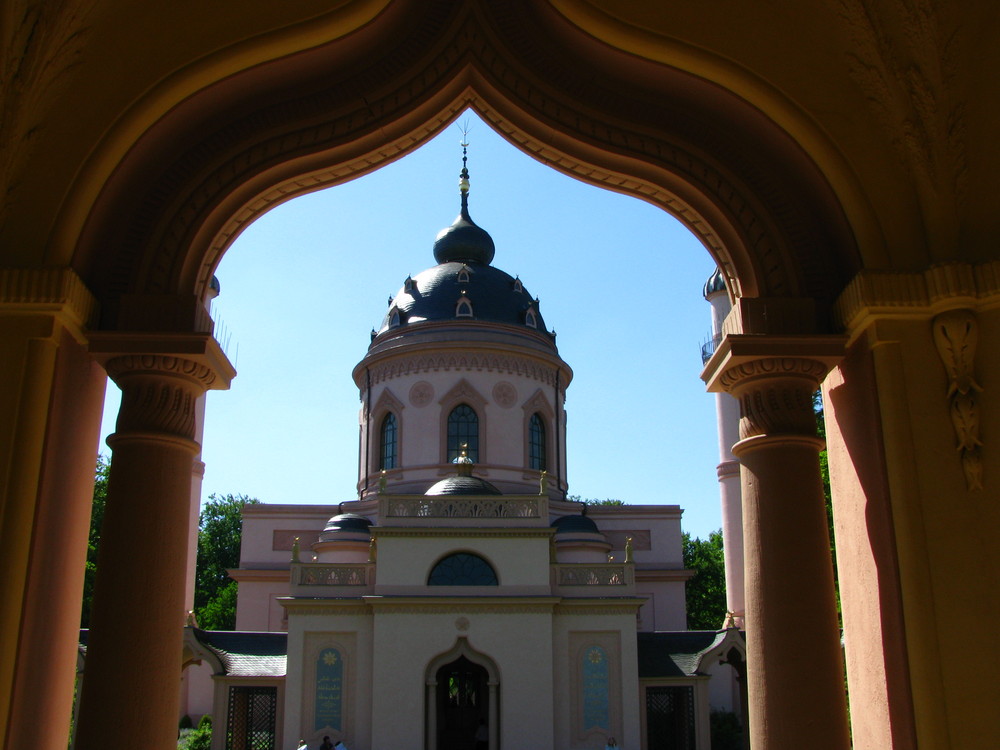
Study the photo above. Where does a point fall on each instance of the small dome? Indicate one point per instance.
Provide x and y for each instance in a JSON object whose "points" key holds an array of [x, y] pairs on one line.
{"points": [[464, 242], [463, 486], [575, 525], [346, 523], [716, 283]]}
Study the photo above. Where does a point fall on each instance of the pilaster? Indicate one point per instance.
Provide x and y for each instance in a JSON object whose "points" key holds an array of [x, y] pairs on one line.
{"points": [[47, 453], [914, 499]]}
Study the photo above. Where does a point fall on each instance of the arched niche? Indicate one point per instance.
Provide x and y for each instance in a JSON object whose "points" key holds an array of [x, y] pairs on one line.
{"points": [[241, 145]]}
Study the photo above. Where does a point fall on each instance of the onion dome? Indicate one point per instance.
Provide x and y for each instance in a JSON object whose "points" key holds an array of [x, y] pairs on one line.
{"points": [[464, 241], [716, 283], [464, 483], [464, 286], [346, 526]]}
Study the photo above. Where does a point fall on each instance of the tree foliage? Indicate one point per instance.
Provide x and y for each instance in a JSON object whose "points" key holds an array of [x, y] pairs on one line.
{"points": [[824, 473], [96, 518], [594, 500], [219, 535], [705, 592]]}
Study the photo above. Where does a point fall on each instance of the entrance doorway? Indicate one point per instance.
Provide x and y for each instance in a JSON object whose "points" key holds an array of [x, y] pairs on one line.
{"points": [[462, 704]]}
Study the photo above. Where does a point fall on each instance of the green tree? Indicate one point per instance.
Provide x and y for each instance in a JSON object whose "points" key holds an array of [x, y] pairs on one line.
{"points": [[824, 472], [705, 592], [96, 518], [219, 535], [594, 500]]}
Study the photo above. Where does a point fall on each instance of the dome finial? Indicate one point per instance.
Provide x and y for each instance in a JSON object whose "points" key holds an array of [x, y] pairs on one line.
{"points": [[463, 177], [463, 241]]}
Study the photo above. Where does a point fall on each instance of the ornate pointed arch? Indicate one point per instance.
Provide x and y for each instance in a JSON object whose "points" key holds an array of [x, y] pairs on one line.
{"points": [[461, 648], [228, 152]]}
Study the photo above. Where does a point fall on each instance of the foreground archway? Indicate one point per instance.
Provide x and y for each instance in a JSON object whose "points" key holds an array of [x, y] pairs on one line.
{"points": [[755, 213], [148, 243]]}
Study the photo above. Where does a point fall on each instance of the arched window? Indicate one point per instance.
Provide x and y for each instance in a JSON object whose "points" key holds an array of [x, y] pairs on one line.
{"points": [[394, 319], [463, 429], [463, 309], [463, 274], [536, 442], [530, 319], [388, 443], [462, 569]]}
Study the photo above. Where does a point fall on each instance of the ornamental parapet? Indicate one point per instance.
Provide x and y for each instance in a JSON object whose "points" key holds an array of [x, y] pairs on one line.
{"points": [[428, 510], [593, 579], [332, 579]]}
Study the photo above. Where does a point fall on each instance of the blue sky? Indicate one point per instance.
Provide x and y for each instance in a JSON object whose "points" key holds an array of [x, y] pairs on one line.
{"points": [[619, 280]]}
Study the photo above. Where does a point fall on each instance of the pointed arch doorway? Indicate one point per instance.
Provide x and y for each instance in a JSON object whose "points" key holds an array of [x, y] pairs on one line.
{"points": [[462, 694]]}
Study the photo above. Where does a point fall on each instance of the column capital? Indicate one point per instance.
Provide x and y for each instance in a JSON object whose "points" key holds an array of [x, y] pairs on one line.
{"points": [[773, 378], [742, 359], [161, 377], [196, 357]]}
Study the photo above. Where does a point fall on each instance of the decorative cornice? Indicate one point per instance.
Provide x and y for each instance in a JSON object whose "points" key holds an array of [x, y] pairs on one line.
{"points": [[320, 607], [469, 533], [462, 361], [498, 605], [257, 574], [664, 574], [616, 606], [56, 291], [875, 295]]}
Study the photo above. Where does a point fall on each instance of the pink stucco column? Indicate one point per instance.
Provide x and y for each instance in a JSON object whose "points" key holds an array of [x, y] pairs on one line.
{"points": [[795, 670], [130, 694]]}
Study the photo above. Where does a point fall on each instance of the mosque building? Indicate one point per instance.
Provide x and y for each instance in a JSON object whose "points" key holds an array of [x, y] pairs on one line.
{"points": [[462, 595]]}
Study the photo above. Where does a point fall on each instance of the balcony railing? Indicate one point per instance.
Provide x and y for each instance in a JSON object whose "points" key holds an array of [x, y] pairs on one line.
{"points": [[709, 347], [579, 575], [352, 576], [479, 508]]}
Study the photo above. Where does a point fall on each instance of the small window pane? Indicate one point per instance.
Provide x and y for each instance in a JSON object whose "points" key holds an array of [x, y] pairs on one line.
{"points": [[536, 443], [463, 428], [388, 442]]}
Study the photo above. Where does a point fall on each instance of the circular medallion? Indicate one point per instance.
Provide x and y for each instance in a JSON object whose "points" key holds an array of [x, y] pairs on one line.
{"points": [[421, 393], [504, 394]]}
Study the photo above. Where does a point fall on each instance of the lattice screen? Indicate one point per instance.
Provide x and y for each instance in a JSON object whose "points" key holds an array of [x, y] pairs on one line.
{"points": [[670, 720], [252, 718]]}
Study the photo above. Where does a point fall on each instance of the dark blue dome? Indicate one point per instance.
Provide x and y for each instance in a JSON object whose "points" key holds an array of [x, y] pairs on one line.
{"points": [[463, 485], [348, 522], [493, 296], [716, 283], [575, 524], [464, 241]]}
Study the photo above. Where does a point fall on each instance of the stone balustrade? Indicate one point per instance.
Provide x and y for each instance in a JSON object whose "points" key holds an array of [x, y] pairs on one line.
{"points": [[355, 576], [570, 577], [515, 510]]}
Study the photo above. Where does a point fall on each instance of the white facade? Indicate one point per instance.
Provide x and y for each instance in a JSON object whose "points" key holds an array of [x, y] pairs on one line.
{"points": [[461, 597]]}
